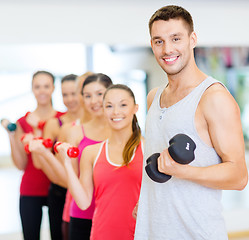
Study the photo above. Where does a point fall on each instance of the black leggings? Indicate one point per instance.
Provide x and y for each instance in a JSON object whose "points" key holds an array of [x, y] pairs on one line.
{"points": [[31, 216], [65, 230], [56, 201], [80, 229]]}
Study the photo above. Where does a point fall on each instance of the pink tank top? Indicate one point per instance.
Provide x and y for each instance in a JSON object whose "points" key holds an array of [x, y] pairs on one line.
{"points": [[75, 211], [117, 191]]}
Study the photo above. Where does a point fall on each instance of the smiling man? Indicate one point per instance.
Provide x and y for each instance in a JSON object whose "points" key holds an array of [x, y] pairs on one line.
{"points": [[188, 206]]}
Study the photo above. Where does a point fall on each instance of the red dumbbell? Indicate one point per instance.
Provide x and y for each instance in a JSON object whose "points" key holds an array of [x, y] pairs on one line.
{"points": [[72, 152], [47, 143]]}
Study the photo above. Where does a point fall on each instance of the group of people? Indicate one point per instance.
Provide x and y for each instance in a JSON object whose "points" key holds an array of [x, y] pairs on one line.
{"points": [[104, 193], [97, 110]]}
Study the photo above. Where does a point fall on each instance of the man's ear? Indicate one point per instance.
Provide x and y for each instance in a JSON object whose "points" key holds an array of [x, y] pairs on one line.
{"points": [[193, 39]]}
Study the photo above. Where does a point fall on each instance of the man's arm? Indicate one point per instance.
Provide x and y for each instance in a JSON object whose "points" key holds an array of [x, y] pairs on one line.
{"points": [[222, 124]]}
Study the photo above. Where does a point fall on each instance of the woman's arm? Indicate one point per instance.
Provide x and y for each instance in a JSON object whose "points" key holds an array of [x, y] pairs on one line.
{"points": [[18, 154], [80, 188], [51, 129], [46, 160]]}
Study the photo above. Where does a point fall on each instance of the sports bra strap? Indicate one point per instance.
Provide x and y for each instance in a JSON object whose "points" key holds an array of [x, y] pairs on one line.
{"points": [[60, 122], [83, 130]]}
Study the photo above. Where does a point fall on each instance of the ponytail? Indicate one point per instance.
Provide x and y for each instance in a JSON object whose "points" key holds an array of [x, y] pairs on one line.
{"points": [[133, 142]]}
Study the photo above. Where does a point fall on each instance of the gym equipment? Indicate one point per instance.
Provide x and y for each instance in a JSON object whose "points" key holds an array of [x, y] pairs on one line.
{"points": [[10, 126], [181, 149], [72, 152], [48, 143]]}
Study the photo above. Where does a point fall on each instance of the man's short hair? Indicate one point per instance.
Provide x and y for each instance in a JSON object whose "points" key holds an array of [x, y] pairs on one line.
{"points": [[172, 12]]}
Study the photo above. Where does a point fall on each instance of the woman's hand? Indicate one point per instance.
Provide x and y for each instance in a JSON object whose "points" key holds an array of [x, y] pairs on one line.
{"points": [[62, 151], [36, 146], [26, 138]]}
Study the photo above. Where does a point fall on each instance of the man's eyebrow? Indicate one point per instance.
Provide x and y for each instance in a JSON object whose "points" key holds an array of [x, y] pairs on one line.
{"points": [[156, 37], [171, 35], [176, 34]]}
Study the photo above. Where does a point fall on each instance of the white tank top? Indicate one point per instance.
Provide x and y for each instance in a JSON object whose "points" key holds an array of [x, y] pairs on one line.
{"points": [[178, 209]]}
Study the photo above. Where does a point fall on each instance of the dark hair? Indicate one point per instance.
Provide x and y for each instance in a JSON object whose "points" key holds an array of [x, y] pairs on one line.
{"points": [[135, 138], [97, 77], [43, 72], [70, 77], [172, 12]]}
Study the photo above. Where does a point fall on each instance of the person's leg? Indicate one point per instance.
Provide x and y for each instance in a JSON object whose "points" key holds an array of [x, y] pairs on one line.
{"points": [[80, 229], [65, 230], [31, 215], [56, 201]]}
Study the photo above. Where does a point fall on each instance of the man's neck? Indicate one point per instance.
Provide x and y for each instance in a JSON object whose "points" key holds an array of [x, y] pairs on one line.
{"points": [[187, 78]]}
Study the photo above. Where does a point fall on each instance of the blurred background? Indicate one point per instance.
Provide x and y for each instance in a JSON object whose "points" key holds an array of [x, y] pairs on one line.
{"points": [[112, 37]]}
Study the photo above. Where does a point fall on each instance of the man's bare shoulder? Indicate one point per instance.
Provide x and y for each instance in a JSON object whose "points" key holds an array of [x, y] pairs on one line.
{"points": [[151, 96], [217, 100]]}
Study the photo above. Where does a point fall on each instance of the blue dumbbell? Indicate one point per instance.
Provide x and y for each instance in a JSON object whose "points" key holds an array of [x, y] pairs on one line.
{"points": [[10, 126]]}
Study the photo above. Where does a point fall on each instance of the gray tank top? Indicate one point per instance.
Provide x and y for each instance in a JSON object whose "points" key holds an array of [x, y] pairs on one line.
{"points": [[178, 209]]}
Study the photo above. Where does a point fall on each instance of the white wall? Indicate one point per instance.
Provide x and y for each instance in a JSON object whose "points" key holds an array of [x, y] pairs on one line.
{"points": [[217, 22]]}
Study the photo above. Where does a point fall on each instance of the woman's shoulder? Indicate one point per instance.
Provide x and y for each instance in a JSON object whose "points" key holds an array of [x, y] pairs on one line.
{"points": [[22, 118], [92, 151], [51, 128], [70, 132], [71, 126], [52, 122], [94, 147]]}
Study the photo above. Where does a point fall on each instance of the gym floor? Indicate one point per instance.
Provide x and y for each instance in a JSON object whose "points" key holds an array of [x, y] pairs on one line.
{"points": [[10, 227]]}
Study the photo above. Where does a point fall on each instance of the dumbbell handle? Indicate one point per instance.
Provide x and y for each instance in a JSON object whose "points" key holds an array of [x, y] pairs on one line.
{"points": [[72, 152], [47, 143]]}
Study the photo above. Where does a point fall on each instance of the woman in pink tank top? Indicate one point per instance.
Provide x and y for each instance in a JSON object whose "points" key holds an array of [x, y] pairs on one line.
{"points": [[111, 170], [90, 133]]}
